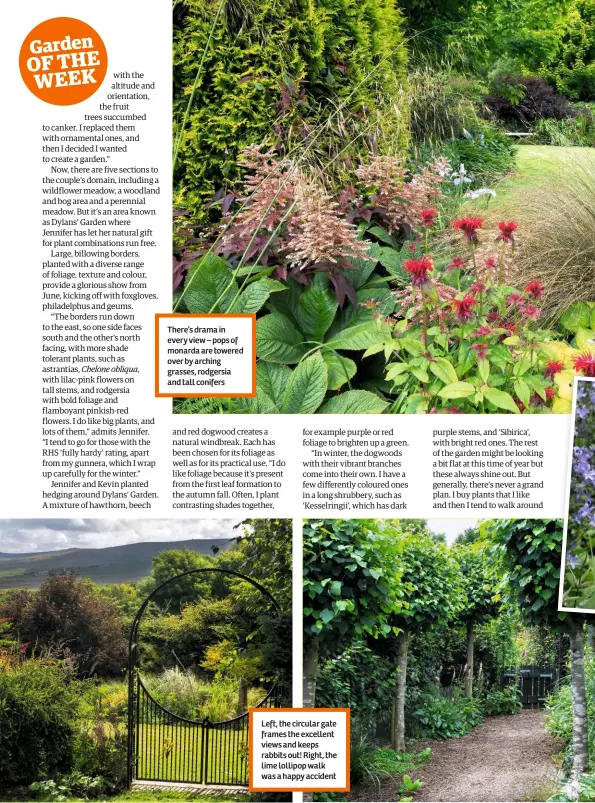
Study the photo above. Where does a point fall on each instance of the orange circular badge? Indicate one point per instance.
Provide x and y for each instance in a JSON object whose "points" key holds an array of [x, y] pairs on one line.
{"points": [[63, 61]]}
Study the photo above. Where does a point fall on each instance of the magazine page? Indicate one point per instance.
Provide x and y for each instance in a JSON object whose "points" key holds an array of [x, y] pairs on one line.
{"points": [[311, 514]]}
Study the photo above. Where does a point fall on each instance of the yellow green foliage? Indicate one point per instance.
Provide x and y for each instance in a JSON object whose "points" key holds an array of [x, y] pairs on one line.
{"points": [[343, 53]]}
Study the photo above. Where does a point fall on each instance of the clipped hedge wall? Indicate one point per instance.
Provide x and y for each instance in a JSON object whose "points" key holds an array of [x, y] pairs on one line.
{"points": [[331, 45]]}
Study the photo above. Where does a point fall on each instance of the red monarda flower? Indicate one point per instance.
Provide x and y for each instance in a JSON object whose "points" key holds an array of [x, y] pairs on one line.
{"points": [[456, 263], [481, 349], [469, 226], [535, 289], [494, 317], [491, 262], [585, 363], [483, 331], [515, 300], [428, 217], [553, 367], [507, 231], [531, 311], [419, 270], [464, 308], [550, 393], [478, 288]]}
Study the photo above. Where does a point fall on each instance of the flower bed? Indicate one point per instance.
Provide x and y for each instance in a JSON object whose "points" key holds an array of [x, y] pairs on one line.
{"points": [[370, 300]]}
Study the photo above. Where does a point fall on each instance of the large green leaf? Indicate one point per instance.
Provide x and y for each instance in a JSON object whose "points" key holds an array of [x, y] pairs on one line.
{"points": [[361, 335], [307, 387], [522, 390], [340, 369], [354, 401], [272, 378], [457, 390], [316, 309], [443, 369], [210, 278], [254, 296], [287, 302], [500, 398], [278, 340], [577, 316], [392, 260], [363, 267], [262, 404]]}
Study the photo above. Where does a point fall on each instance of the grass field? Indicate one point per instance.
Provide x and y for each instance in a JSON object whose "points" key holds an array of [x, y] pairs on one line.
{"points": [[538, 167], [173, 753]]}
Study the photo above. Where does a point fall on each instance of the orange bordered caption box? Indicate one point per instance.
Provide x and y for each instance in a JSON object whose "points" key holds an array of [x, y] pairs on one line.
{"points": [[205, 355], [298, 749]]}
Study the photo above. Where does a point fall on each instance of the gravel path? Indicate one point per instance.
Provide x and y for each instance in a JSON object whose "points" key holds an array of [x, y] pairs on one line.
{"points": [[508, 758]]}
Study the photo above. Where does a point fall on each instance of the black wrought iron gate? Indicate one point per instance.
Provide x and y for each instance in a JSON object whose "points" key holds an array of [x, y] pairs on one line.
{"points": [[535, 683], [163, 746]]}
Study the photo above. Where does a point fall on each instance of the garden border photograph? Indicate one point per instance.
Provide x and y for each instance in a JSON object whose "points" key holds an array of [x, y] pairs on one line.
{"points": [[131, 651], [403, 193], [577, 583], [444, 638]]}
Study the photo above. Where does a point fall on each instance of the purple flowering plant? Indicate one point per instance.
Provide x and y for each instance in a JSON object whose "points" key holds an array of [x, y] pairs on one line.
{"points": [[579, 579]]}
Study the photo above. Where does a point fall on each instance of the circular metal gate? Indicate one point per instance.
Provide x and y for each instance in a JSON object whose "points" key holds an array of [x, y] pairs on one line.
{"points": [[163, 746]]}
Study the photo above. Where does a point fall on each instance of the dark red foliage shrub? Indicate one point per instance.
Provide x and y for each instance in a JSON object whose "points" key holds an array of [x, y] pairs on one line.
{"points": [[67, 618], [523, 100]]}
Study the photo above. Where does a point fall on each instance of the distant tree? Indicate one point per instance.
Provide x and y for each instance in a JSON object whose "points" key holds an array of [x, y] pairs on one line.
{"points": [[264, 553], [169, 564], [483, 598], [477, 34], [67, 617], [469, 536], [433, 595]]}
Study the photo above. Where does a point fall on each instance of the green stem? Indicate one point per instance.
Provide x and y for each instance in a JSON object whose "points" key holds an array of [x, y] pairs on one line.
{"points": [[195, 85], [501, 263]]}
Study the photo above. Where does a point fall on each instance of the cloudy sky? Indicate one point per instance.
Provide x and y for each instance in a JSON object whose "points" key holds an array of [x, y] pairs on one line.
{"points": [[451, 527], [43, 535]]}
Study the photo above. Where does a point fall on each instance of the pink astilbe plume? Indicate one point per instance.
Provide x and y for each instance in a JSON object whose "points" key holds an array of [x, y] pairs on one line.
{"points": [[268, 192], [318, 234], [399, 196]]}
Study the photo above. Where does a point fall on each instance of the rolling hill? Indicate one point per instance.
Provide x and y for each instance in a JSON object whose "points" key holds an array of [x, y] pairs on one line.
{"points": [[115, 564]]}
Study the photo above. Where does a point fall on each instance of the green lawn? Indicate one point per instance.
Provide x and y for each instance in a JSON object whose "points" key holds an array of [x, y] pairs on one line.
{"points": [[538, 167], [172, 753], [146, 795]]}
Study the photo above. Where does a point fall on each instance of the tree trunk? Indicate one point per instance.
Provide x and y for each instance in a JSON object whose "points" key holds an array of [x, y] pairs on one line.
{"points": [[398, 723], [469, 674], [242, 697], [311, 653], [580, 745]]}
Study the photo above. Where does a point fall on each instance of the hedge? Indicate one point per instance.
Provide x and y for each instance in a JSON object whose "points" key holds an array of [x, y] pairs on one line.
{"points": [[348, 52]]}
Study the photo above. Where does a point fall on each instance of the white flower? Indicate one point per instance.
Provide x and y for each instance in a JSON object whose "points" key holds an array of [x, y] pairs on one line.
{"points": [[475, 194]]}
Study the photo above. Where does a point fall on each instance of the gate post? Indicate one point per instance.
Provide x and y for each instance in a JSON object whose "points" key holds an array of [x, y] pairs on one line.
{"points": [[204, 751], [132, 693]]}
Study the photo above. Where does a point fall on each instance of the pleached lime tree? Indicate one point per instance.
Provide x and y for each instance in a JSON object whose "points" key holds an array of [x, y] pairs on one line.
{"points": [[483, 598], [352, 587], [531, 553], [434, 594]]}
